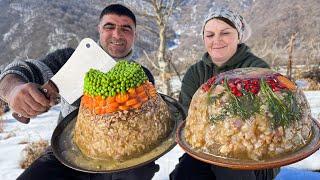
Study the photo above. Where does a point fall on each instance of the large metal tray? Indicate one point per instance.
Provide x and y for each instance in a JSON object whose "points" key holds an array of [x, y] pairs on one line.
{"points": [[234, 163], [69, 154]]}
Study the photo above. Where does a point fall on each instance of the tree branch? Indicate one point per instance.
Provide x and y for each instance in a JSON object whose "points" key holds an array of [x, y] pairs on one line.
{"points": [[152, 63], [146, 15], [147, 28], [175, 70]]}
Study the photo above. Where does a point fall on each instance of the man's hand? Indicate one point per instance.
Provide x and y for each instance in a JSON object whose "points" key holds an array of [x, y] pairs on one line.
{"points": [[28, 100]]}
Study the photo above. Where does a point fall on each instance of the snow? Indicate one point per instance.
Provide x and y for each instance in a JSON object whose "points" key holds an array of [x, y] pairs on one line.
{"points": [[16, 134], [8, 35]]}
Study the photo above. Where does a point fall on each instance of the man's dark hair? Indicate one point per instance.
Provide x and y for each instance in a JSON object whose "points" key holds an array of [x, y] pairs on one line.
{"points": [[120, 10]]}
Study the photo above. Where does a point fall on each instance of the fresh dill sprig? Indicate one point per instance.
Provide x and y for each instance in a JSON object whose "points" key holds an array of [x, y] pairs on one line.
{"points": [[243, 106], [284, 111], [213, 99]]}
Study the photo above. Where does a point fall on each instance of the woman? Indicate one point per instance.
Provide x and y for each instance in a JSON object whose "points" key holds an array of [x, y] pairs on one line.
{"points": [[224, 33]]}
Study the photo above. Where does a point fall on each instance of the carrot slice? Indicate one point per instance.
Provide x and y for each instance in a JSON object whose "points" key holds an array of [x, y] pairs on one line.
{"points": [[95, 103], [144, 99], [114, 105], [136, 106], [131, 102], [122, 97], [132, 92], [123, 108], [111, 99], [140, 89], [102, 103], [98, 110], [103, 111], [142, 94], [85, 99], [286, 83], [110, 108], [152, 92], [99, 98]]}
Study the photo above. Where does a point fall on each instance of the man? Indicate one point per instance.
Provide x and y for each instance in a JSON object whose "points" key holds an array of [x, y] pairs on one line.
{"points": [[20, 82]]}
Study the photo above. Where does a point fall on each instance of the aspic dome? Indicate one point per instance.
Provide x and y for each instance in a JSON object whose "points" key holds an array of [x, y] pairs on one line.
{"points": [[248, 113], [121, 115]]}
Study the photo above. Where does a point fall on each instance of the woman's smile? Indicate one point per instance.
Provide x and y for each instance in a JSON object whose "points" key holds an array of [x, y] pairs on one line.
{"points": [[221, 41]]}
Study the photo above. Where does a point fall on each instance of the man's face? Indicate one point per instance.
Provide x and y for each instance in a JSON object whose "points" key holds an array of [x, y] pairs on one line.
{"points": [[117, 34]]}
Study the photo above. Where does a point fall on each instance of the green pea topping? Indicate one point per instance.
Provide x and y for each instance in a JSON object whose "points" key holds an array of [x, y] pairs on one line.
{"points": [[120, 78]]}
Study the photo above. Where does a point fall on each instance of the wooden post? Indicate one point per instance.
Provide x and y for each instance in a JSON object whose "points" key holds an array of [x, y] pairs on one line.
{"points": [[290, 52]]}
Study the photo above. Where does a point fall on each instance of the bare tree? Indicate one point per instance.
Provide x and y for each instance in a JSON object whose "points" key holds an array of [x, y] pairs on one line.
{"points": [[314, 51], [160, 14], [290, 52], [271, 52]]}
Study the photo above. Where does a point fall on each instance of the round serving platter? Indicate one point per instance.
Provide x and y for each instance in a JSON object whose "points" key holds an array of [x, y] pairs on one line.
{"points": [[241, 164], [68, 153]]}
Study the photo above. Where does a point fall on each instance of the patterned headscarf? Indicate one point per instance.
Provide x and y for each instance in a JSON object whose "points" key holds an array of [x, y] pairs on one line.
{"points": [[241, 25]]}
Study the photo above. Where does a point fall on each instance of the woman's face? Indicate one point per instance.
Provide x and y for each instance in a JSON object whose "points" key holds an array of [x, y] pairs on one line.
{"points": [[220, 40]]}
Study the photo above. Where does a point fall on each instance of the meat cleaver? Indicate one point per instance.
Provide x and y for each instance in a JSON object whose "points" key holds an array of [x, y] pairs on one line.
{"points": [[69, 80]]}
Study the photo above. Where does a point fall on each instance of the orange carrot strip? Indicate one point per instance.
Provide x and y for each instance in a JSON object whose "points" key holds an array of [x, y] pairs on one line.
{"points": [[123, 108], [136, 106], [95, 103], [286, 83], [122, 97], [97, 110], [144, 99], [142, 94], [102, 103], [132, 92], [113, 105], [131, 102], [140, 89], [99, 98], [109, 109], [152, 92], [111, 99]]}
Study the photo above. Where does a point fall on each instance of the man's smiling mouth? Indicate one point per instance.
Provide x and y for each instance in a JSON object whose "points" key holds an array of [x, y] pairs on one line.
{"points": [[117, 43]]}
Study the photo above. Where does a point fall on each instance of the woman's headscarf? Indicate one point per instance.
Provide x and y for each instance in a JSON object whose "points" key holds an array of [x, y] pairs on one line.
{"points": [[241, 25]]}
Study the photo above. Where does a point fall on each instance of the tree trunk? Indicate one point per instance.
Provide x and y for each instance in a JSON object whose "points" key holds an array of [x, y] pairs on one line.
{"points": [[162, 12], [163, 63], [290, 52]]}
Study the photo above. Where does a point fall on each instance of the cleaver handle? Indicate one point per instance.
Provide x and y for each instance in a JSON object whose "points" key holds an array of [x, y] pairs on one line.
{"points": [[50, 90], [20, 118]]}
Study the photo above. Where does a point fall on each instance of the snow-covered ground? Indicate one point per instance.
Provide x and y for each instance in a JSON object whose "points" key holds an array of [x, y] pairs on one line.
{"points": [[16, 134]]}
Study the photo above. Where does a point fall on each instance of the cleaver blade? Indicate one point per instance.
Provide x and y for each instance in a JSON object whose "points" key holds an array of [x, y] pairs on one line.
{"points": [[69, 80]]}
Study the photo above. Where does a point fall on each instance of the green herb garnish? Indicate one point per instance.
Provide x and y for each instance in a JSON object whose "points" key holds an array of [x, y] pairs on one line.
{"points": [[243, 106], [284, 111]]}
